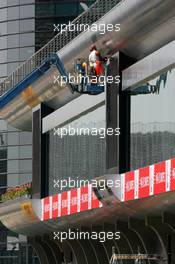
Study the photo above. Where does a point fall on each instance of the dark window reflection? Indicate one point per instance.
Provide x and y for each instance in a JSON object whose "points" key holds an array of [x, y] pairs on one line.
{"points": [[48, 13], [153, 121]]}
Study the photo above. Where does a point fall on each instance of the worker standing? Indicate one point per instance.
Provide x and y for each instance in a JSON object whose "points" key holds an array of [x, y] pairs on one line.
{"points": [[92, 59], [95, 61], [99, 64]]}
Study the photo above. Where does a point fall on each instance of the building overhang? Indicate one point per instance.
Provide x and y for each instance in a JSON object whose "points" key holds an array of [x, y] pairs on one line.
{"points": [[18, 215]]}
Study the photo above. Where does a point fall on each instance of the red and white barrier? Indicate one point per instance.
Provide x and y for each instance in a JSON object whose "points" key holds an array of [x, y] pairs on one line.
{"points": [[141, 183], [70, 202], [151, 180]]}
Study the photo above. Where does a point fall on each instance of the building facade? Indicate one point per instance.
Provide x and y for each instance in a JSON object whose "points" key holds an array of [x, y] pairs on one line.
{"points": [[140, 157], [25, 26]]}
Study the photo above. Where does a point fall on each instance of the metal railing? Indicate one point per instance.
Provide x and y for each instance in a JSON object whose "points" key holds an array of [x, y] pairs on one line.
{"points": [[138, 257], [94, 13]]}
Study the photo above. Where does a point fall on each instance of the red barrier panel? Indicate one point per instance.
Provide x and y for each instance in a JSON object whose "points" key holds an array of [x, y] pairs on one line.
{"points": [[71, 202], [141, 183]]}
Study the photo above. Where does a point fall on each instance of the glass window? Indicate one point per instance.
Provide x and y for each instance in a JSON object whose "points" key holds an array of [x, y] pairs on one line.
{"points": [[25, 152], [13, 138], [3, 152], [27, 1], [27, 25], [13, 2], [3, 56], [3, 28], [12, 66], [3, 14], [3, 139], [25, 166], [13, 180], [27, 11], [13, 27], [44, 24], [3, 166], [3, 182], [13, 13], [25, 138], [3, 69], [25, 53], [67, 9], [27, 39], [13, 41], [13, 55], [3, 3], [45, 10], [13, 152], [3, 42], [13, 166], [153, 121]]}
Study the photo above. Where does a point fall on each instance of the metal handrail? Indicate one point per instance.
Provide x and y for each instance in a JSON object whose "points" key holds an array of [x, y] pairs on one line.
{"points": [[94, 13]]}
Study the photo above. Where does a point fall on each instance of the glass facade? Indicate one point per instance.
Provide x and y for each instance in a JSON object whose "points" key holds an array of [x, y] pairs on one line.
{"points": [[50, 12], [17, 30], [25, 26], [17, 43], [15, 157], [80, 155], [153, 121], [15, 169]]}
